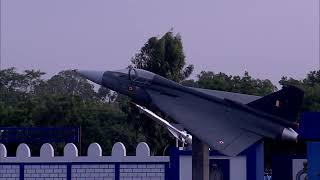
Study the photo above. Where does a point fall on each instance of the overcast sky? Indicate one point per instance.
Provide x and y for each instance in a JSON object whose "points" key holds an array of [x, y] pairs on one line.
{"points": [[268, 38]]}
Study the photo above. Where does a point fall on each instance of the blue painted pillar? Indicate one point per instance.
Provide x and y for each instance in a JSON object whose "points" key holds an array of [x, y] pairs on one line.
{"points": [[313, 160], [260, 160], [255, 161], [117, 171], [174, 172], [69, 171], [310, 132], [21, 171], [166, 175]]}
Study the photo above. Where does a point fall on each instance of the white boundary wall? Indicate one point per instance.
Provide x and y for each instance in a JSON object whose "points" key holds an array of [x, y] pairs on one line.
{"points": [[117, 166], [142, 166]]}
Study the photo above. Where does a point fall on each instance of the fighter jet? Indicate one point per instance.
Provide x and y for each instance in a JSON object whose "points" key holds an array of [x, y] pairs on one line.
{"points": [[227, 122]]}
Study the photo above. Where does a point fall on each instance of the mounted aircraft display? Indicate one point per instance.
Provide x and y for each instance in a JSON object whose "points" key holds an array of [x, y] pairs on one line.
{"points": [[227, 122]]}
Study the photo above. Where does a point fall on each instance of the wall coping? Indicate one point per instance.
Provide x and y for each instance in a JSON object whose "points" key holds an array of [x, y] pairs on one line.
{"points": [[94, 154]]}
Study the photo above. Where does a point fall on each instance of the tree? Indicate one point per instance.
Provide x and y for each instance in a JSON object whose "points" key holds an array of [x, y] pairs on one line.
{"points": [[106, 95], [164, 57], [10, 79], [27, 100], [245, 84], [67, 99], [25, 82], [311, 86], [16, 93], [68, 83]]}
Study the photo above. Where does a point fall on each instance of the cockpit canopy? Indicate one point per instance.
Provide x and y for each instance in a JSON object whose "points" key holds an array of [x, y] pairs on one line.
{"points": [[137, 74]]}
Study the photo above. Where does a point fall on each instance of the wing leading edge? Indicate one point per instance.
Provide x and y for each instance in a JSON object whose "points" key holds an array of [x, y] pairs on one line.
{"points": [[242, 98]]}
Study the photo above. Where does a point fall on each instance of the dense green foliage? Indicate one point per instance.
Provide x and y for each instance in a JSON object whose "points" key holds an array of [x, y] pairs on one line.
{"points": [[164, 57], [221, 81], [311, 86], [66, 99]]}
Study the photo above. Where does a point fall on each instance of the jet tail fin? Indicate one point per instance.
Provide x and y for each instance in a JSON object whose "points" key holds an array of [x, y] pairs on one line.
{"points": [[284, 103]]}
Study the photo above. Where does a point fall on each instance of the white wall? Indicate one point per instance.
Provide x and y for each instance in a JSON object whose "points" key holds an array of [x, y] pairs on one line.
{"points": [[238, 166], [185, 168], [297, 165], [94, 165], [142, 166]]}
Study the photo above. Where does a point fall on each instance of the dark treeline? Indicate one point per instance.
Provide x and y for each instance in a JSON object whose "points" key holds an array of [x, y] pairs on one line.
{"points": [[66, 99]]}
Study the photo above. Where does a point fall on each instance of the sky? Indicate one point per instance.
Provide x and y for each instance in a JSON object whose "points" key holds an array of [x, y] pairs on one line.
{"points": [[267, 38]]}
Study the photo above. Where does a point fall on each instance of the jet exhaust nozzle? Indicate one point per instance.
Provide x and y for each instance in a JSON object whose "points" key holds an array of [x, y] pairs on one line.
{"points": [[288, 134]]}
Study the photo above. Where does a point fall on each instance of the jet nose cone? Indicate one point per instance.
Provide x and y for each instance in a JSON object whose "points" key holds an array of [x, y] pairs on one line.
{"points": [[95, 76]]}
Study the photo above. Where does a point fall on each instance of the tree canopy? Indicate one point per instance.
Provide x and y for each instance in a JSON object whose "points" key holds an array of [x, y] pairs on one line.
{"points": [[245, 84], [164, 56], [27, 100], [311, 86]]}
